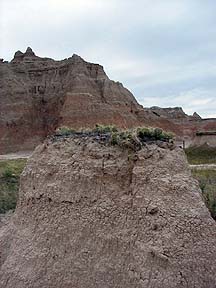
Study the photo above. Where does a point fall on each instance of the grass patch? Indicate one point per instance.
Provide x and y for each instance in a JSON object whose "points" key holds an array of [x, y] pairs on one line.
{"points": [[10, 171], [207, 181], [201, 155]]}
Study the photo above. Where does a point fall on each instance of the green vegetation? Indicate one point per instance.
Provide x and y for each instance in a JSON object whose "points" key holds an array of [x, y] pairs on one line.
{"points": [[126, 139], [207, 181], [154, 134], [64, 131], [131, 138], [10, 171], [99, 129], [135, 137], [102, 129], [201, 155], [206, 177]]}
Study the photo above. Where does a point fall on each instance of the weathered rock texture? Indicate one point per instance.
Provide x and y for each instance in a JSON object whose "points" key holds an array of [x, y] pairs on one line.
{"points": [[37, 95], [190, 126], [93, 215]]}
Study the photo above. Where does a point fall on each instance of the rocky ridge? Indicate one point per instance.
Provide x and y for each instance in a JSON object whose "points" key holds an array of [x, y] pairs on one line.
{"points": [[37, 95], [95, 215]]}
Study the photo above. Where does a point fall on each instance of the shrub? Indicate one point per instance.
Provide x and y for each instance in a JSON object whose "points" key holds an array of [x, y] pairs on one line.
{"points": [[65, 131], [158, 133], [135, 137], [115, 139], [168, 135], [102, 129], [131, 138], [154, 134], [144, 132]]}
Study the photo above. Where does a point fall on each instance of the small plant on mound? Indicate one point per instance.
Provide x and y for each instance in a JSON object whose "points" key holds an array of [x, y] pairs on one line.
{"points": [[64, 131], [131, 138], [166, 136], [135, 137], [145, 133], [115, 138], [123, 139], [103, 129]]}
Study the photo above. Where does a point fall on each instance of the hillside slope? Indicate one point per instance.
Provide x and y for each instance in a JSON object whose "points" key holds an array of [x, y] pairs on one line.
{"points": [[39, 94]]}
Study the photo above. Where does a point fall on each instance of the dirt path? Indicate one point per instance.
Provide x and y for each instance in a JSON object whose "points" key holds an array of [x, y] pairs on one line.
{"points": [[204, 166], [17, 155]]}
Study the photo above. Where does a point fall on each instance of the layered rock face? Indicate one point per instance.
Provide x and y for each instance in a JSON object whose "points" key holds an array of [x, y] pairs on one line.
{"points": [[28, 110], [39, 94], [189, 125], [94, 215]]}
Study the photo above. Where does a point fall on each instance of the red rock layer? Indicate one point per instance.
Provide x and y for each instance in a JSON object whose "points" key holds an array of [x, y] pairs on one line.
{"points": [[37, 95]]}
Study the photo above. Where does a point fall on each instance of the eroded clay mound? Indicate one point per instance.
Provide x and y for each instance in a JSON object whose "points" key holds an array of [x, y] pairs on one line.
{"points": [[93, 215]]}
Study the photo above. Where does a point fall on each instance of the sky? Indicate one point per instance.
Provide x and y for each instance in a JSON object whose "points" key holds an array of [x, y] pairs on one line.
{"points": [[163, 51]]}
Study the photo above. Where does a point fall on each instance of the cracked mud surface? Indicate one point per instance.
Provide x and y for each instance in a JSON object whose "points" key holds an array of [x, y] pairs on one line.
{"points": [[93, 215]]}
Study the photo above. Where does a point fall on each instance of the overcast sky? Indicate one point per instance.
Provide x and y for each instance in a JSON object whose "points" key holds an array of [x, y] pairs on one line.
{"points": [[161, 50]]}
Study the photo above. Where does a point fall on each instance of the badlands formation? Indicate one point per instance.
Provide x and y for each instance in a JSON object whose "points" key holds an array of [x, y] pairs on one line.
{"points": [[37, 95], [92, 213]]}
